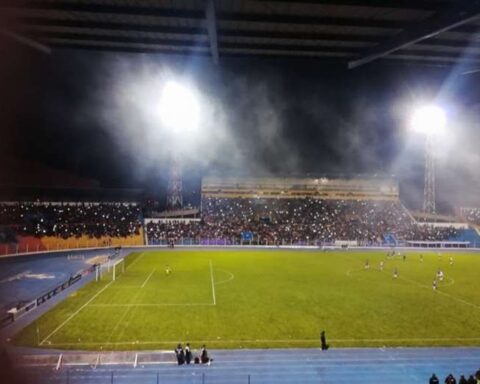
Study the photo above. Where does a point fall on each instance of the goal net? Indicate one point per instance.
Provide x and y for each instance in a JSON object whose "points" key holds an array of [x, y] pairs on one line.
{"points": [[110, 270]]}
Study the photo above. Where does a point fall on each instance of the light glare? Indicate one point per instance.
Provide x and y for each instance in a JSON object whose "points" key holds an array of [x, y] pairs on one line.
{"points": [[179, 109], [429, 120]]}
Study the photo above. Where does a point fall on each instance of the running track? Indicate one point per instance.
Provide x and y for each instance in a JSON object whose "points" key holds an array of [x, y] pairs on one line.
{"points": [[346, 365]]}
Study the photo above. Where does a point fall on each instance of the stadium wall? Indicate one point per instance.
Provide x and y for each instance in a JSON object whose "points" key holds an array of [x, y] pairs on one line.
{"points": [[31, 244]]}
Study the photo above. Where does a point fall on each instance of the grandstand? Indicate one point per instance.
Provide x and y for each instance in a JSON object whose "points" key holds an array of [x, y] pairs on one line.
{"points": [[39, 226], [234, 211], [308, 211]]}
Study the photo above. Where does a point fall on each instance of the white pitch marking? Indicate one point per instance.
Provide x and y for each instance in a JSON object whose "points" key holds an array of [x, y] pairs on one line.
{"points": [[272, 341], [75, 313], [448, 284], [136, 260], [442, 293], [148, 278], [232, 276], [213, 284], [153, 305]]}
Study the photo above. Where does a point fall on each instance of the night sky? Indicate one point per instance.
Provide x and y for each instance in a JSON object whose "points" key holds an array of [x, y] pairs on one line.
{"points": [[93, 115]]}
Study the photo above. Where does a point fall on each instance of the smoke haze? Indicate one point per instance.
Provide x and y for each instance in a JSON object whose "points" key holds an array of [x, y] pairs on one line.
{"points": [[97, 115]]}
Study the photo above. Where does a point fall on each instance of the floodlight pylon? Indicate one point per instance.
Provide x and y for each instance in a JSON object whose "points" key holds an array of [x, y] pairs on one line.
{"points": [[429, 187], [175, 185]]}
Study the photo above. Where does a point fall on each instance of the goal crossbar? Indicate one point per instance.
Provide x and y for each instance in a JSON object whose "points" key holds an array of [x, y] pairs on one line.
{"points": [[111, 266]]}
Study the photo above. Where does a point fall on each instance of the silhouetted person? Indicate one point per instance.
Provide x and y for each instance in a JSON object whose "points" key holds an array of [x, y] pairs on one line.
{"points": [[471, 380], [450, 379], [204, 356], [180, 354], [462, 380], [323, 341], [188, 354], [433, 379], [181, 359]]}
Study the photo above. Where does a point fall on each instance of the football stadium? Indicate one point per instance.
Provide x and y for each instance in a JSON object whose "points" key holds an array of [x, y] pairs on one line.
{"points": [[266, 191]]}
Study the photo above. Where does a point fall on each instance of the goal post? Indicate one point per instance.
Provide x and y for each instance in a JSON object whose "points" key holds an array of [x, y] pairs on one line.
{"points": [[118, 267], [110, 270]]}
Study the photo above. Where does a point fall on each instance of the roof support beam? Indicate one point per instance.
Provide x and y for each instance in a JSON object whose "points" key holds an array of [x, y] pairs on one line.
{"points": [[211, 17], [143, 40], [393, 4], [199, 15], [175, 43], [443, 21], [28, 21], [26, 41]]}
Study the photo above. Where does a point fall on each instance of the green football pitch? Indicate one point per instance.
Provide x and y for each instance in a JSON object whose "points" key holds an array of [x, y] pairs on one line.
{"points": [[269, 298]]}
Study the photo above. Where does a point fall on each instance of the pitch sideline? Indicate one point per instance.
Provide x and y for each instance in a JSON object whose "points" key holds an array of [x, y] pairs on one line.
{"points": [[428, 339], [75, 313]]}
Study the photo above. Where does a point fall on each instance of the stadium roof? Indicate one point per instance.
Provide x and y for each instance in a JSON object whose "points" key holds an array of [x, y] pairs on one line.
{"points": [[354, 32]]}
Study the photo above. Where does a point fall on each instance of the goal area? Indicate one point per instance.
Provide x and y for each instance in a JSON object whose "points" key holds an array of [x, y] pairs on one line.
{"points": [[110, 270]]}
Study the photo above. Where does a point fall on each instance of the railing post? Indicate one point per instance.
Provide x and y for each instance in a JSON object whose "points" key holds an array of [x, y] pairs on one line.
{"points": [[158, 378], [248, 379], [111, 378], [203, 378]]}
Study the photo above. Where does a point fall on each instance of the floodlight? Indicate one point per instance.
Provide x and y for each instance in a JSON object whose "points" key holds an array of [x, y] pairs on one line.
{"points": [[179, 108], [429, 120]]}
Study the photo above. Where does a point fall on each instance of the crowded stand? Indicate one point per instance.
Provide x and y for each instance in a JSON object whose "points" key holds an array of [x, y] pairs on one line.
{"points": [[429, 233], [472, 215], [285, 221], [94, 220], [263, 211]]}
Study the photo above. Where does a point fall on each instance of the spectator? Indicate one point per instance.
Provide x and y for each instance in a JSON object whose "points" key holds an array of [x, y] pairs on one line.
{"points": [[204, 358], [450, 379], [188, 354], [433, 379], [180, 354]]}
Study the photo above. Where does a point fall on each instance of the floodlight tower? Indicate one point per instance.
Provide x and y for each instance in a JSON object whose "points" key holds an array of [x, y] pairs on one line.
{"points": [[174, 188], [179, 112], [429, 183], [430, 121]]}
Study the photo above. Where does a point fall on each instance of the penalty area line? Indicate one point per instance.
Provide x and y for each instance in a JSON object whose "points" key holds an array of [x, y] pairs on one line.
{"points": [[136, 260], [75, 313], [232, 276], [148, 278]]}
